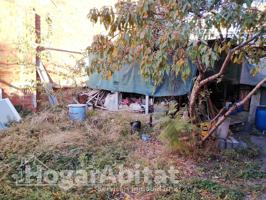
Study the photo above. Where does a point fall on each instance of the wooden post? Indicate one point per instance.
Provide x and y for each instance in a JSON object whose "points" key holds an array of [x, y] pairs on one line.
{"points": [[41, 73], [147, 105], [116, 101], [37, 56]]}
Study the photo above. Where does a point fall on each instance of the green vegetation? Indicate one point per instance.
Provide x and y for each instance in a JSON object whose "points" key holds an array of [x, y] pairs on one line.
{"points": [[252, 171], [203, 189], [105, 139], [179, 134]]}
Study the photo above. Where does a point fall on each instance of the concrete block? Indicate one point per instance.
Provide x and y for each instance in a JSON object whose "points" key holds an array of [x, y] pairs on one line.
{"points": [[232, 143], [255, 101]]}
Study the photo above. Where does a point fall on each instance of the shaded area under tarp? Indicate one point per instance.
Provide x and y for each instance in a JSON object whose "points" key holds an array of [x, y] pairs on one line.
{"points": [[247, 78], [128, 79]]}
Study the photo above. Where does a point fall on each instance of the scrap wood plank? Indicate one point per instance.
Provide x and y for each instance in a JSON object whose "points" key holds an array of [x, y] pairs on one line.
{"points": [[102, 97], [96, 101], [90, 93], [45, 80], [93, 97]]}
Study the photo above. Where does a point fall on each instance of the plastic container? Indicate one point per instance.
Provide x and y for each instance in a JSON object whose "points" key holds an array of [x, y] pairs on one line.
{"points": [[135, 126], [77, 112], [145, 137], [238, 110], [223, 129], [261, 118]]}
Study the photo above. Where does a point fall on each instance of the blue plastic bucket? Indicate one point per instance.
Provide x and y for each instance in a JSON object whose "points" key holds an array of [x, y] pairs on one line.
{"points": [[261, 118], [77, 112]]}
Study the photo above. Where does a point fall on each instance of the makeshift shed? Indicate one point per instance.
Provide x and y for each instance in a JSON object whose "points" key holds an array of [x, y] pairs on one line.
{"points": [[237, 82], [129, 79], [247, 78]]}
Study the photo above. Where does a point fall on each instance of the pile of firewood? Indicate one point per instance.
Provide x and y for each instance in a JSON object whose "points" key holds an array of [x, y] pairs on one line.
{"points": [[93, 97]]}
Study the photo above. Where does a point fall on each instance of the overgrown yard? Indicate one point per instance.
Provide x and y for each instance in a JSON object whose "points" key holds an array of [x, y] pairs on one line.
{"points": [[104, 141]]}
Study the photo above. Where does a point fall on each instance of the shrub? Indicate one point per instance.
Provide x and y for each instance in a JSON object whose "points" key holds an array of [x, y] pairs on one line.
{"points": [[180, 135]]}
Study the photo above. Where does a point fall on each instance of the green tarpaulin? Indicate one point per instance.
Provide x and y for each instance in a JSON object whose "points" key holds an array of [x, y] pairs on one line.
{"points": [[128, 79]]}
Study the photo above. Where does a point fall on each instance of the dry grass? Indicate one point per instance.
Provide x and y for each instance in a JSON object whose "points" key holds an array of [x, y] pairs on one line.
{"points": [[23, 137], [52, 130], [158, 156], [103, 139], [62, 140]]}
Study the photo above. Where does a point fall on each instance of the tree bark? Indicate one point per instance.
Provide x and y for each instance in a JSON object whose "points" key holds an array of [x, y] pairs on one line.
{"points": [[193, 98]]}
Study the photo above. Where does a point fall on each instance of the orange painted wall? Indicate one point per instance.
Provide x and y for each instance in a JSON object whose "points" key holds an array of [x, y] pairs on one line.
{"points": [[70, 30]]}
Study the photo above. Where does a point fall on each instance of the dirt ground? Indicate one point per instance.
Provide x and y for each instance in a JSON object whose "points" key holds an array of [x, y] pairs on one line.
{"points": [[261, 142], [105, 139]]}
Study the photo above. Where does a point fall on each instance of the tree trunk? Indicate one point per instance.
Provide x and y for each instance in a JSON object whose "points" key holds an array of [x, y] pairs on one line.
{"points": [[193, 98]]}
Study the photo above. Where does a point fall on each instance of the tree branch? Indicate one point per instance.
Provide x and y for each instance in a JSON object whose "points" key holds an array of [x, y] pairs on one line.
{"points": [[247, 42], [221, 72], [200, 66], [227, 60], [220, 33]]}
